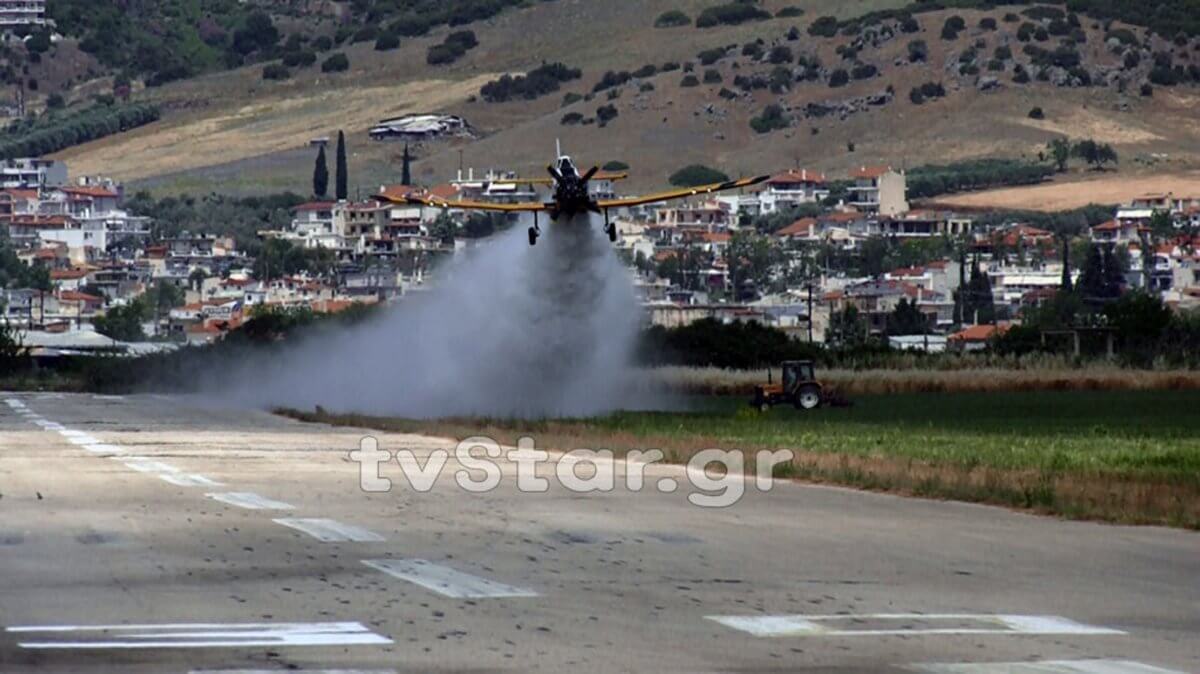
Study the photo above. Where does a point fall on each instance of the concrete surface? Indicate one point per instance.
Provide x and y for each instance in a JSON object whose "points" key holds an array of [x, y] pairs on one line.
{"points": [[115, 558]]}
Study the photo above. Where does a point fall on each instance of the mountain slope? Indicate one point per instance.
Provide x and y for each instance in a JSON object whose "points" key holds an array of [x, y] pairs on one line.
{"points": [[253, 137]]}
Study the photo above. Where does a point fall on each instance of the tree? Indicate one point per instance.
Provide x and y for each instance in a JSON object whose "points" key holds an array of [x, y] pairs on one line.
{"points": [[321, 175], [751, 258], [978, 305], [336, 63], [1096, 154], [847, 328], [444, 228], [1060, 152], [343, 179], [13, 354], [697, 174], [1102, 276], [123, 323], [907, 319]]}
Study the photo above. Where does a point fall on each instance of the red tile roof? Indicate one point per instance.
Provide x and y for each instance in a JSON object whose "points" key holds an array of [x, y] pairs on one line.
{"points": [[93, 192], [801, 227], [67, 274], [315, 206], [1107, 226], [979, 333], [797, 176], [869, 171], [76, 296]]}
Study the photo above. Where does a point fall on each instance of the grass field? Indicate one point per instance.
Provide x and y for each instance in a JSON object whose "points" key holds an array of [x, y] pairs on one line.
{"points": [[1121, 456]]}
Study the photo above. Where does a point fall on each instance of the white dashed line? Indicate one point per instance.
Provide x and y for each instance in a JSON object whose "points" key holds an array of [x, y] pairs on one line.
{"points": [[142, 465], [1045, 667], [836, 625], [446, 581], [293, 671], [189, 480], [201, 635], [248, 500], [331, 531]]}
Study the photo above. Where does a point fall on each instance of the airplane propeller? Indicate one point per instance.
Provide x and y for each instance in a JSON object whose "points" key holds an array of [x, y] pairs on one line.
{"points": [[591, 173], [554, 173]]}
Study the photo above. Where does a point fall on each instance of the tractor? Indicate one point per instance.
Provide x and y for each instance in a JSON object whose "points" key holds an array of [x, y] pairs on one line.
{"points": [[799, 387]]}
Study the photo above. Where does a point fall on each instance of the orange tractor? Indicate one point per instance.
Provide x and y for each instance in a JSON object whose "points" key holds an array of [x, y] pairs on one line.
{"points": [[799, 387]]}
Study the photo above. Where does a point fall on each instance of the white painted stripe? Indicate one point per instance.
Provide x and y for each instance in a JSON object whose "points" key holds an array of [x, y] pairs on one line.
{"points": [[1045, 667], [818, 625], [97, 396], [142, 465], [248, 500], [101, 448], [83, 440], [71, 433], [331, 531], [293, 671], [446, 581], [189, 480], [202, 635]]}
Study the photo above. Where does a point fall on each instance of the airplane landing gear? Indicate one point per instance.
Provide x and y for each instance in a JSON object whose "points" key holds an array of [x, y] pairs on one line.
{"points": [[609, 228], [534, 231]]}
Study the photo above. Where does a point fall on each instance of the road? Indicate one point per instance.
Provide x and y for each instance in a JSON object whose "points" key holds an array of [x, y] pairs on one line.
{"points": [[158, 534]]}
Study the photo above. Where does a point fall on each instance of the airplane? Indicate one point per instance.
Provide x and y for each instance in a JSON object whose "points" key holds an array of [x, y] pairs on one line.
{"points": [[571, 197]]}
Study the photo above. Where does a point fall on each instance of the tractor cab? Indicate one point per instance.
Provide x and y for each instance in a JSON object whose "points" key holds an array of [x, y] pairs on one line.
{"points": [[798, 386]]}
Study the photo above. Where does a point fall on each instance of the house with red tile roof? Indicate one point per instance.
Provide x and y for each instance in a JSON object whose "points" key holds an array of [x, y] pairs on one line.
{"points": [[879, 190], [792, 188]]}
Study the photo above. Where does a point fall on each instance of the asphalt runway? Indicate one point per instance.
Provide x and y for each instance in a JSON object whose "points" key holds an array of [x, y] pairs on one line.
{"points": [[159, 534]]}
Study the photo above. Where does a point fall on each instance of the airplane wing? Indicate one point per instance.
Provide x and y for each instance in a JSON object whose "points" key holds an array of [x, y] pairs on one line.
{"points": [[436, 202], [683, 193]]}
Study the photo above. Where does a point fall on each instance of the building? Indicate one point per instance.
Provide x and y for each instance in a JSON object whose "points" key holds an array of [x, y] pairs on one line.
{"points": [[791, 189], [22, 13], [879, 190], [32, 174], [419, 127], [923, 224], [708, 216]]}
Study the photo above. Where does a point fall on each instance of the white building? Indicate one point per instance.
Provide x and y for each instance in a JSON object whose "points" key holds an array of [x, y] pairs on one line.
{"points": [[879, 190], [22, 13], [32, 174], [791, 189]]}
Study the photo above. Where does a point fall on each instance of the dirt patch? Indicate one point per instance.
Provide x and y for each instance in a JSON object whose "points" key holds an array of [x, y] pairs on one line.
{"points": [[1111, 188], [271, 125], [1085, 123]]}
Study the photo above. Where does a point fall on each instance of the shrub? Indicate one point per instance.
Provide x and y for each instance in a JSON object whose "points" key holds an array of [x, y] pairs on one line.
{"points": [[953, 26], [927, 91], [1003, 53], [672, 19], [648, 70], [910, 25], [773, 117], [987, 23], [731, 14], [781, 54], [697, 174], [712, 76], [299, 59], [606, 113], [826, 26], [570, 98], [864, 71], [612, 79], [322, 43], [276, 71], [44, 135], [540, 81], [789, 12], [1147, 90], [387, 42], [689, 81], [918, 51], [1037, 113], [336, 63], [711, 56], [1020, 74], [839, 78], [571, 118]]}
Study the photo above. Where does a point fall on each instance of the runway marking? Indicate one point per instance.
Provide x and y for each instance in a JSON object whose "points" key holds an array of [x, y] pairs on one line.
{"points": [[293, 671], [1045, 667], [97, 396], [201, 635], [142, 465], [84, 440], [189, 480], [14, 403], [331, 531], [446, 581], [101, 448], [248, 500], [816, 625]]}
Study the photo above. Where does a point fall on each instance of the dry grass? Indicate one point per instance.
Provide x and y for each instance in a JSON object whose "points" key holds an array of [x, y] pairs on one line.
{"points": [[1107, 188], [717, 381], [1113, 456]]}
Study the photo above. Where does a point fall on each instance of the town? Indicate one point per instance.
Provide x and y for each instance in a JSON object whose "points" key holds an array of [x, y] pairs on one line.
{"points": [[826, 259]]}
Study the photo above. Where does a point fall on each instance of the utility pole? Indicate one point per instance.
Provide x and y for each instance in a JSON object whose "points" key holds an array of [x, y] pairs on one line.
{"points": [[810, 311]]}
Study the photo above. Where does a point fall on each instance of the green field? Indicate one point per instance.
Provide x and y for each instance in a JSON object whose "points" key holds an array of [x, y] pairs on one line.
{"points": [[1125, 456]]}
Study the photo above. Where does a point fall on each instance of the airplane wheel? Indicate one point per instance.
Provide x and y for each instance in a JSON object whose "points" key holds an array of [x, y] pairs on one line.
{"points": [[533, 236], [612, 234]]}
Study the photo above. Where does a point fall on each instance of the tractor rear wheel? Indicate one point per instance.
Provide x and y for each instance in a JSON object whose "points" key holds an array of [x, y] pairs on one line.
{"points": [[533, 236], [808, 398]]}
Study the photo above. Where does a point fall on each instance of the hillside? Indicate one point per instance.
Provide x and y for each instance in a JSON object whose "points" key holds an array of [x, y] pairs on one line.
{"points": [[252, 137]]}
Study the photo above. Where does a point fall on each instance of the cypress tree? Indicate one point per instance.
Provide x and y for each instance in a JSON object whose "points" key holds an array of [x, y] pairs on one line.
{"points": [[343, 178], [321, 175], [406, 174]]}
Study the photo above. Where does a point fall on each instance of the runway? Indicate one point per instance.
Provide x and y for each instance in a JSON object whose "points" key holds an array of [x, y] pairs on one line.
{"points": [[161, 534]]}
